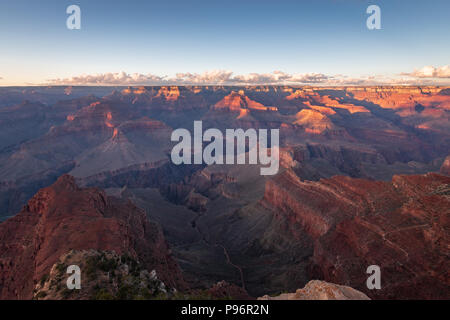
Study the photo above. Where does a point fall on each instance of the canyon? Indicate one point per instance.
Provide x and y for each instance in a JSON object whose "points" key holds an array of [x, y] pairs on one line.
{"points": [[363, 179]]}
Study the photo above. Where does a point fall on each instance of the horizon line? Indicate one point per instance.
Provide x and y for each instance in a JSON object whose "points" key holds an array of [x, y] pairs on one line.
{"points": [[226, 85]]}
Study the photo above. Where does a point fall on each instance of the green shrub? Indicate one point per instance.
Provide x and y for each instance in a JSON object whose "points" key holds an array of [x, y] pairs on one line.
{"points": [[103, 294], [44, 279]]}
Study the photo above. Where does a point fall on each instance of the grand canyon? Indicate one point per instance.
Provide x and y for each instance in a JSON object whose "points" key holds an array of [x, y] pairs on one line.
{"points": [[86, 178]]}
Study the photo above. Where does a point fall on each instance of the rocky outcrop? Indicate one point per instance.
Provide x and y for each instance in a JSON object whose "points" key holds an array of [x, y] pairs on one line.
{"points": [[225, 290], [445, 168], [401, 226], [104, 276], [64, 217], [313, 121], [236, 101], [320, 290]]}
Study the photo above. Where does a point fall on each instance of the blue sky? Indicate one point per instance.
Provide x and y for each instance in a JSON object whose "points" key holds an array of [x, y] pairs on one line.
{"points": [[164, 38]]}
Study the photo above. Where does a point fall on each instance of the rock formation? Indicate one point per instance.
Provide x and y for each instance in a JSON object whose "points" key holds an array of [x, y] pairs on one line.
{"points": [[320, 290], [104, 276], [64, 217], [445, 168], [354, 223]]}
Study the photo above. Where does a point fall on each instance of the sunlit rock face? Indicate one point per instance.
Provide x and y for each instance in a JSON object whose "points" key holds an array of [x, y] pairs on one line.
{"points": [[320, 290], [445, 168]]}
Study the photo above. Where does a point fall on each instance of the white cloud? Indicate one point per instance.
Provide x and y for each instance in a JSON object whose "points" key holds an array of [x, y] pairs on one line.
{"points": [[431, 72], [208, 77], [279, 77], [119, 78], [380, 80], [424, 76], [223, 77], [227, 77]]}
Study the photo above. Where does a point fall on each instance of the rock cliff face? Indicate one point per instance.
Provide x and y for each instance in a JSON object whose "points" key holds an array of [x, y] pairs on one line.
{"points": [[313, 121], [402, 98], [445, 168], [64, 217], [321, 290], [401, 226], [236, 101]]}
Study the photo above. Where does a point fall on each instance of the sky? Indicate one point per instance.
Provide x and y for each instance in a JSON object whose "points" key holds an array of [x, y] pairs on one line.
{"points": [[224, 42]]}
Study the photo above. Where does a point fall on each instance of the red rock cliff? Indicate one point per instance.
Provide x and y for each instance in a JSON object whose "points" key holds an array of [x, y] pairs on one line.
{"points": [[401, 226], [63, 217]]}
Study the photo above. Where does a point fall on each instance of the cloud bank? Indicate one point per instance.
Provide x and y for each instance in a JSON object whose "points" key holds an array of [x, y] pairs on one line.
{"points": [[119, 78], [214, 77], [426, 76], [431, 72]]}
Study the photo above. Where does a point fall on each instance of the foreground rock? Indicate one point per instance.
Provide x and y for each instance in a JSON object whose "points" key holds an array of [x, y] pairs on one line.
{"points": [[64, 217], [320, 290], [225, 290], [106, 276]]}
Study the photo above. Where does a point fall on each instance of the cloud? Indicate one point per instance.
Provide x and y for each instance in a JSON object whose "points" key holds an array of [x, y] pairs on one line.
{"points": [[430, 72], [214, 77], [279, 77], [208, 77], [383, 80], [226, 77], [424, 76], [119, 78]]}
